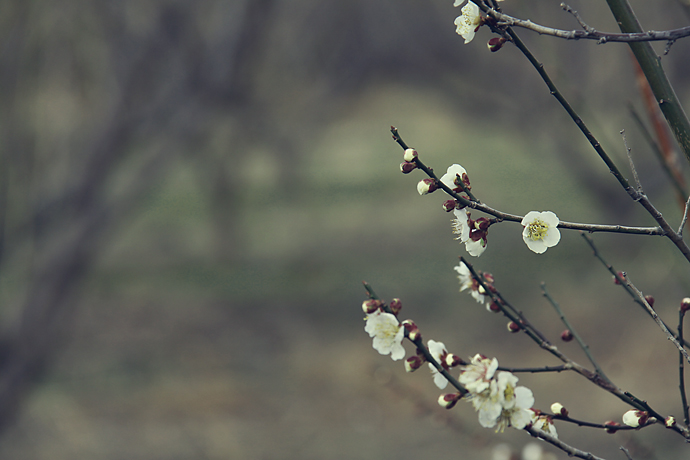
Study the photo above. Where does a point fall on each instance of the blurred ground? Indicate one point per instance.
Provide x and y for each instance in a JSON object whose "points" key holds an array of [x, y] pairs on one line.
{"points": [[217, 314]]}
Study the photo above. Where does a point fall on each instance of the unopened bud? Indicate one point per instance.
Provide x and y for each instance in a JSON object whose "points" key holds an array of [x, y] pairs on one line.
{"points": [[621, 276], [494, 307], [395, 306], [650, 300], [449, 205], [371, 305], [513, 326], [635, 418], [566, 335], [452, 360], [410, 155], [413, 363], [558, 409], [448, 400], [611, 426], [426, 186], [685, 304], [496, 44], [670, 421], [407, 167], [412, 330]]}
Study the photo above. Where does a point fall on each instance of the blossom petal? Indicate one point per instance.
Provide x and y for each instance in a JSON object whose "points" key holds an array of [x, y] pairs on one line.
{"points": [[451, 173]]}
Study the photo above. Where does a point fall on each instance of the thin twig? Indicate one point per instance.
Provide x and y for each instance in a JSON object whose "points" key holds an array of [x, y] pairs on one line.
{"points": [[502, 216], [620, 281], [577, 18], [536, 370], [685, 218], [625, 451], [681, 366], [570, 450], [582, 343], [589, 33], [630, 161], [656, 318], [635, 195]]}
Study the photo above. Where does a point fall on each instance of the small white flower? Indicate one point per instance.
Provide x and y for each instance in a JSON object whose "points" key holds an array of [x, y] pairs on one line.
{"points": [[544, 424], [540, 232], [467, 282], [449, 177], [477, 375], [438, 351], [388, 334], [515, 401], [469, 22]]}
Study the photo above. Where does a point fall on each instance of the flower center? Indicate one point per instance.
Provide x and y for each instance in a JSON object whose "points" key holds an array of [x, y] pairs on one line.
{"points": [[537, 230]]}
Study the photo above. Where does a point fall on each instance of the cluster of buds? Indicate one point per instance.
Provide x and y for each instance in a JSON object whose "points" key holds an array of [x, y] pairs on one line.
{"points": [[409, 164]]}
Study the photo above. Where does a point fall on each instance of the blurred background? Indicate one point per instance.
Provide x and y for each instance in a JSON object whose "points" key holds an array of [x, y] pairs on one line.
{"points": [[191, 194]]}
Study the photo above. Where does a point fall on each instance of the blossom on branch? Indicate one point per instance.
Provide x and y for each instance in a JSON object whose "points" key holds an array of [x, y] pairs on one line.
{"points": [[469, 22], [471, 232], [468, 282], [544, 423], [451, 176], [540, 231], [388, 334], [439, 352], [515, 401]]}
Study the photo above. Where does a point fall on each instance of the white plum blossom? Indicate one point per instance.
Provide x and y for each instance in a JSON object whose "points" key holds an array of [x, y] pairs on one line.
{"points": [[545, 424], [438, 351], [516, 402], [495, 396], [449, 177], [461, 226], [467, 282], [540, 232], [388, 334], [471, 232], [469, 22], [477, 375]]}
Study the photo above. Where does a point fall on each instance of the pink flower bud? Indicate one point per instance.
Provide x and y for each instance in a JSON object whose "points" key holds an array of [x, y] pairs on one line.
{"points": [[558, 409], [635, 418], [494, 307], [513, 326], [371, 305], [621, 275], [452, 360], [448, 400], [566, 335], [413, 363], [650, 300], [449, 205], [407, 167], [611, 426], [685, 304], [395, 306], [410, 155], [412, 330], [496, 44], [426, 186]]}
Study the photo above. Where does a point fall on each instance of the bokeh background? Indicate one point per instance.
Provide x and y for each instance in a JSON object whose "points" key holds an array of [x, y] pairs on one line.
{"points": [[191, 194]]}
